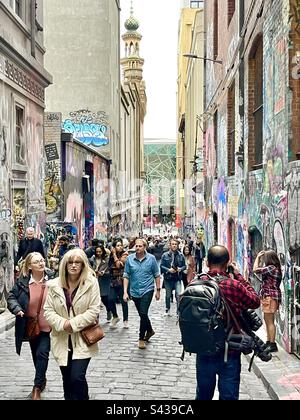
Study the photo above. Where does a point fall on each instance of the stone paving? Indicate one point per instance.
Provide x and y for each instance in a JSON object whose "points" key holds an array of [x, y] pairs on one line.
{"points": [[121, 371]]}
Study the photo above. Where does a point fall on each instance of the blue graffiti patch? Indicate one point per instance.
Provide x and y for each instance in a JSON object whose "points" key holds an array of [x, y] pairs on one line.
{"points": [[93, 141], [88, 134]]}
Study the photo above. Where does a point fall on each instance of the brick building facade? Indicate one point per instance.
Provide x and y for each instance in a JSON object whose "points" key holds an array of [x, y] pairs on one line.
{"points": [[252, 139]]}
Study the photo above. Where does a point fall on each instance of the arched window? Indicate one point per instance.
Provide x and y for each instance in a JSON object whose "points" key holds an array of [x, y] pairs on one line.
{"points": [[256, 105], [231, 239]]}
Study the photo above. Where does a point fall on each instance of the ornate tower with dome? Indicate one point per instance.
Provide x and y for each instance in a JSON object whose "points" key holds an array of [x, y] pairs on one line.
{"points": [[131, 147], [132, 63]]}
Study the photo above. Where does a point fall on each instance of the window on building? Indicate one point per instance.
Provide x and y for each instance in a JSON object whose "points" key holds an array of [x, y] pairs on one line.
{"points": [[17, 6], [215, 220], [216, 142], [256, 106], [19, 146], [216, 29], [231, 239], [231, 130], [294, 142], [196, 4], [230, 10]]}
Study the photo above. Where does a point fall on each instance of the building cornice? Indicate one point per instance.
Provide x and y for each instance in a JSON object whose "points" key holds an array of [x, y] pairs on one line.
{"points": [[28, 67]]}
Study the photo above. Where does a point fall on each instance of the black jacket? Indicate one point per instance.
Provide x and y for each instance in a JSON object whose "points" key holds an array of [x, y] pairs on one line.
{"points": [[27, 246], [18, 300]]}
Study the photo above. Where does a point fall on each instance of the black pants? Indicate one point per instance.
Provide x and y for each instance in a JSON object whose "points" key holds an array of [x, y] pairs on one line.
{"points": [[142, 305], [40, 348], [184, 279], [107, 303], [117, 292], [199, 262], [74, 379]]}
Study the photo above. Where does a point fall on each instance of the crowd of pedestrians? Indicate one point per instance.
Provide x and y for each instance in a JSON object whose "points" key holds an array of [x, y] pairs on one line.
{"points": [[66, 297]]}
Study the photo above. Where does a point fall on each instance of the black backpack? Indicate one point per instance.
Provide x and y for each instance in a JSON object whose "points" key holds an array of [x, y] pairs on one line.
{"points": [[201, 317]]}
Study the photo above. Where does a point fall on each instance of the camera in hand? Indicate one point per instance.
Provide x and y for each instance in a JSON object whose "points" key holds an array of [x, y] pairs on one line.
{"points": [[252, 322], [230, 269], [251, 319]]}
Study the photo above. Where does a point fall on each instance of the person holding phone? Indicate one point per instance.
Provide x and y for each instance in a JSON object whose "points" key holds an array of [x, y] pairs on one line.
{"points": [[267, 264]]}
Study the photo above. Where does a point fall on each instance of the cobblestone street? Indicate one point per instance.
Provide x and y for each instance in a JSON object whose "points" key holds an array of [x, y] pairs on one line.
{"points": [[121, 371]]}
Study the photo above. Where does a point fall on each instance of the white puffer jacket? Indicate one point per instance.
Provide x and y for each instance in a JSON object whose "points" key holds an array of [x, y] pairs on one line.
{"points": [[86, 305]]}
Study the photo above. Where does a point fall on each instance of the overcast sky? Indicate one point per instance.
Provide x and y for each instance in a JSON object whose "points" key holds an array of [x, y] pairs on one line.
{"points": [[159, 28]]}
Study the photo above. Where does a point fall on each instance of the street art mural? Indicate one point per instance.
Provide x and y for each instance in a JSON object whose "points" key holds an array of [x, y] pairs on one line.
{"points": [[279, 70], [295, 14], [263, 205], [101, 183], [19, 213], [210, 160], [6, 263], [89, 128], [53, 192], [35, 168], [4, 146], [222, 146], [74, 214], [292, 185], [6, 239], [222, 211]]}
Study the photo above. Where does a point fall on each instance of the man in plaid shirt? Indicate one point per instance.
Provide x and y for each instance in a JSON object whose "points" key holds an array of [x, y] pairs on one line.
{"points": [[240, 296]]}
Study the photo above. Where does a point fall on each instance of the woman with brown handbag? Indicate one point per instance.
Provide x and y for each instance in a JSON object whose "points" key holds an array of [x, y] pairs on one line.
{"points": [[26, 301], [73, 303]]}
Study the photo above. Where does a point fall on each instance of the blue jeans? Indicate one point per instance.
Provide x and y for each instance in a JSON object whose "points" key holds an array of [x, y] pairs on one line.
{"points": [[171, 285], [229, 377]]}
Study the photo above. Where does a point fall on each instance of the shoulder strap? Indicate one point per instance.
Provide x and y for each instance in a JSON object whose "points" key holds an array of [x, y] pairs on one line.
{"points": [[41, 298]]}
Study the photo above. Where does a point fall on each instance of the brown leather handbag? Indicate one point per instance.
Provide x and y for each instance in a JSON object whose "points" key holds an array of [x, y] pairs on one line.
{"points": [[92, 333], [32, 323]]}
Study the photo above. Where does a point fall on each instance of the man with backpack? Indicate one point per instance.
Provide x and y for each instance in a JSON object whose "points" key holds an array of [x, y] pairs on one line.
{"points": [[172, 265], [204, 323]]}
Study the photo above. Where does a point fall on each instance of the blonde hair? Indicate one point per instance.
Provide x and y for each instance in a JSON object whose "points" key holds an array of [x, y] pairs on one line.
{"points": [[86, 271], [145, 243], [25, 270]]}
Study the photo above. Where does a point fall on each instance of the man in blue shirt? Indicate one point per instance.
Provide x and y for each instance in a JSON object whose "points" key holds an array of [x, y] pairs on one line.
{"points": [[140, 271]]}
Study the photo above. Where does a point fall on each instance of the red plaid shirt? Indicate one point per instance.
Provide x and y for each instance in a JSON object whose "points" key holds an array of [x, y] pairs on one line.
{"points": [[239, 294], [271, 279]]}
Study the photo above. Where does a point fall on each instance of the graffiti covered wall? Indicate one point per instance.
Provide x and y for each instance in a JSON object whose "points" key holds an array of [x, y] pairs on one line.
{"points": [[259, 208], [21, 177], [101, 182]]}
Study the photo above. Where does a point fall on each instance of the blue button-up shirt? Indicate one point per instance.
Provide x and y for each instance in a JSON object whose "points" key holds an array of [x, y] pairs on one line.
{"points": [[141, 274]]}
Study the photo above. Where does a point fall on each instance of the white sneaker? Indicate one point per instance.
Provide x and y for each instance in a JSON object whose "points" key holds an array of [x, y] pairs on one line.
{"points": [[167, 313], [126, 325], [114, 322]]}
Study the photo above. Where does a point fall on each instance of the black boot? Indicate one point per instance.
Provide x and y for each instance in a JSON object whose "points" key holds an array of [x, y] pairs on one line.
{"points": [[272, 347]]}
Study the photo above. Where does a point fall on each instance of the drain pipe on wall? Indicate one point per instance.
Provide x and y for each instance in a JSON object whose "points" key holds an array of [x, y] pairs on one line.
{"points": [[32, 20]]}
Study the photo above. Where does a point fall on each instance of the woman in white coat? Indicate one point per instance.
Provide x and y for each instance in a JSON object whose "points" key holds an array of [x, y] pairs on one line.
{"points": [[73, 303]]}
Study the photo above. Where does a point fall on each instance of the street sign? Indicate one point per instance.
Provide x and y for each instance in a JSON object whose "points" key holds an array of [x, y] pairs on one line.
{"points": [[51, 152]]}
